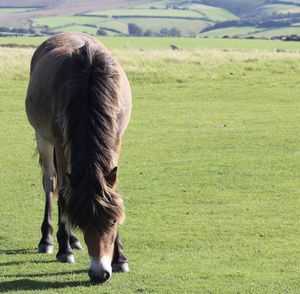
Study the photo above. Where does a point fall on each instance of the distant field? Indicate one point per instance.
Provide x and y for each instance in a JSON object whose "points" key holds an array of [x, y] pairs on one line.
{"points": [[157, 4], [186, 26], [251, 31], [230, 31], [187, 16], [237, 6], [212, 13], [59, 21], [271, 9], [147, 12], [146, 18], [78, 28], [209, 12], [14, 10], [279, 32], [187, 10]]}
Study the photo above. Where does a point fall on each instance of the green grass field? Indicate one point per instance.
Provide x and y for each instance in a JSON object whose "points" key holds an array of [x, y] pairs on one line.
{"points": [[209, 172], [14, 10], [147, 12], [146, 44], [190, 10], [59, 21], [251, 31], [270, 9], [230, 31], [278, 32], [210, 12], [72, 23]]}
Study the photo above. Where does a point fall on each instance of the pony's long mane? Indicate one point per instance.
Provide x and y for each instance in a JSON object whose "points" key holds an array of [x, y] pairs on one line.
{"points": [[90, 105]]}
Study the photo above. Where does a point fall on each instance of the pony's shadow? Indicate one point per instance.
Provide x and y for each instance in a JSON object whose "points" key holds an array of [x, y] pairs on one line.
{"points": [[28, 284], [17, 251], [42, 274]]}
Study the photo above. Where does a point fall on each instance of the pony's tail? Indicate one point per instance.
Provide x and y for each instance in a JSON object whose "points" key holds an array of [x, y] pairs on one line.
{"points": [[90, 109]]}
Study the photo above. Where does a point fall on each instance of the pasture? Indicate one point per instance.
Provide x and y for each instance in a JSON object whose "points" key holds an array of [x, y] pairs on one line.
{"points": [[14, 10], [209, 172], [190, 17]]}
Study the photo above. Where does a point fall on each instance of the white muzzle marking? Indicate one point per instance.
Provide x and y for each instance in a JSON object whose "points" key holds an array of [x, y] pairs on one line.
{"points": [[99, 267]]}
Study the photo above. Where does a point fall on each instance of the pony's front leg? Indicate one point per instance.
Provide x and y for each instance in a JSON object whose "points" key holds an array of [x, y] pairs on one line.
{"points": [[46, 152], [65, 253], [119, 262]]}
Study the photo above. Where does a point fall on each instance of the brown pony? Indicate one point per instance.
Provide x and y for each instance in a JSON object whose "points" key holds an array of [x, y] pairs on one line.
{"points": [[79, 103]]}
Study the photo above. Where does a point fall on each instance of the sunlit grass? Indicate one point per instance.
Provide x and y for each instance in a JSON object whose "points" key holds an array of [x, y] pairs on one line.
{"points": [[208, 171]]}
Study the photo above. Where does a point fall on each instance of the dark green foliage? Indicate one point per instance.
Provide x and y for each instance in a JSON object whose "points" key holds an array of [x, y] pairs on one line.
{"points": [[173, 32], [101, 32], [134, 30], [148, 33]]}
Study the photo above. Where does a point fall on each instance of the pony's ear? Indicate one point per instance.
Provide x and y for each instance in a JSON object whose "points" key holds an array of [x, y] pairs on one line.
{"points": [[111, 178]]}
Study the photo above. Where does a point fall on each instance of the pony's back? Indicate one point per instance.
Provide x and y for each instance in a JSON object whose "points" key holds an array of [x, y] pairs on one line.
{"points": [[83, 81]]}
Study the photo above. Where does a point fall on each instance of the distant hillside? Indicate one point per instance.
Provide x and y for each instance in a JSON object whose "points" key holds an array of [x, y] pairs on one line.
{"points": [[239, 7], [259, 19], [186, 18]]}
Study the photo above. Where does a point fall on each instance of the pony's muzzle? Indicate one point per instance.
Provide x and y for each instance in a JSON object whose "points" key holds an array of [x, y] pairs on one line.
{"points": [[100, 272], [99, 278]]}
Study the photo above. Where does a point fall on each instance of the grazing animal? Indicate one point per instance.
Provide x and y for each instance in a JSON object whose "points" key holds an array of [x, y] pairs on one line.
{"points": [[79, 104]]}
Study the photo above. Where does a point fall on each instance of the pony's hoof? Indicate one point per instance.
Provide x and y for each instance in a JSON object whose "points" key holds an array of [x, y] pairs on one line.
{"points": [[66, 258], [120, 267], [76, 245], [43, 248]]}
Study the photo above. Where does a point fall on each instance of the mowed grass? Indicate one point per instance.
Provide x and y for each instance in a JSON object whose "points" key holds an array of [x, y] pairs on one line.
{"points": [[209, 172]]}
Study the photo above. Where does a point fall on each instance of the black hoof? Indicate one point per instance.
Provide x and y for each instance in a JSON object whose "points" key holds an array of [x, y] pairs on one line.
{"points": [[44, 248], [120, 267], [65, 258], [76, 245]]}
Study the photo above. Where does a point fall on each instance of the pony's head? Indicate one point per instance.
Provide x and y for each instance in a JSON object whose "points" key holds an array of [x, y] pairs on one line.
{"points": [[101, 233], [100, 246], [99, 224]]}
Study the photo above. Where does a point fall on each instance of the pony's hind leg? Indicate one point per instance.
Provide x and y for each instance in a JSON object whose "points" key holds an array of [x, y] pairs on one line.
{"points": [[66, 240], [46, 152]]}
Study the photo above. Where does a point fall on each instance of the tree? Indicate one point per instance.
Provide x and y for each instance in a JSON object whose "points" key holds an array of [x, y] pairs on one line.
{"points": [[164, 32], [134, 30], [174, 32], [101, 32], [148, 33]]}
